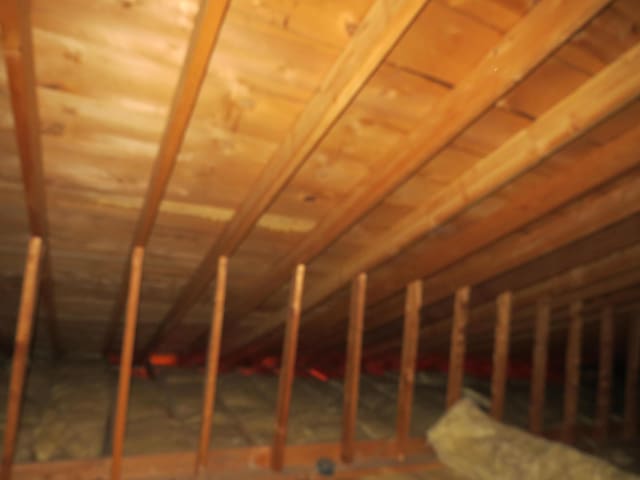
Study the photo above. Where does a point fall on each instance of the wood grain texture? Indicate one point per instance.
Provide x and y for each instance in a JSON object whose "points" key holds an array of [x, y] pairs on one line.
{"points": [[455, 379], [539, 366], [572, 372], [499, 373]]}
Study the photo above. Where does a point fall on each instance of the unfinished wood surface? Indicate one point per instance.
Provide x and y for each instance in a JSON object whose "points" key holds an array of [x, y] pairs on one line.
{"points": [[503, 67], [632, 366], [499, 374], [605, 372], [377, 34], [126, 361], [211, 378], [352, 367], [22, 344], [455, 379], [410, 331], [539, 366], [287, 369], [572, 372]]}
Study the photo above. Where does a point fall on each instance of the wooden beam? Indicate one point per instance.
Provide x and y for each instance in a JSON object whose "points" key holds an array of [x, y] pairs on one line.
{"points": [[455, 378], [126, 360], [413, 306], [378, 32], [521, 50], [17, 46], [24, 329], [539, 369], [572, 372], [287, 369], [211, 378], [194, 69], [501, 355], [352, 367], [630, 428], [605, 370]]}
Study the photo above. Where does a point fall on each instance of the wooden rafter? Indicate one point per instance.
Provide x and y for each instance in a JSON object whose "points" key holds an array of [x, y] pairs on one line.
{"points": [[203, 40], [601, 96], [455, 378], [539, 362], [572, 372], [378, 33], [500, 355], [17, 44]]}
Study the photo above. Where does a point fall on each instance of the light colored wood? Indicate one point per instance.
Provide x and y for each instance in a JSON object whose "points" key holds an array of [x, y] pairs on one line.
{"points": [[630, 428], [384, 24], [499, 373], [502, 68], [605, 371], [126, 361], [539, 366], [352, 367], [213, 358], [411, 328], [203, 40], [24, 329], [457, 347], [572, 373], [287, 369]]}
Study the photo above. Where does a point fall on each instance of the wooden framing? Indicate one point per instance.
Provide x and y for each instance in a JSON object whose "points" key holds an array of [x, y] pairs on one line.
{"points": [[408, 365], [126, 361], [500, 355], [211, 377], [352, 367], [203, 40], [24, 329], [458, 344], [287, 369], [539, 365], [503, 67], [572, 372], [605, 370], [379, 31], [630, 428]]}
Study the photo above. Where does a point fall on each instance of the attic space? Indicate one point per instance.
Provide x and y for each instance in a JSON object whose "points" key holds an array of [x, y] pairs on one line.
{"points": [[298, 239]]}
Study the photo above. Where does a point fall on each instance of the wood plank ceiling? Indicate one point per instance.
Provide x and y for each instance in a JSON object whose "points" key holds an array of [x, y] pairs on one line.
{"points": [[490, 143]]}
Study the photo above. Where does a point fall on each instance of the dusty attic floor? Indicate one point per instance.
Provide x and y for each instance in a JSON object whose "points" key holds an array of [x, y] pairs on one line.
{"points": [[68, 408]]}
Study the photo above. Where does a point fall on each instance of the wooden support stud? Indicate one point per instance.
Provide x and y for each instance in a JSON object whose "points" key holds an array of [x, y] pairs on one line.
{"points": [[287, 369], [501, 355], [630, 428], [24, 330], [410, 336], [572, 373], [605, 367], [458, 345], [215, 335], [352, 367], [126, 360], [539, 372]]}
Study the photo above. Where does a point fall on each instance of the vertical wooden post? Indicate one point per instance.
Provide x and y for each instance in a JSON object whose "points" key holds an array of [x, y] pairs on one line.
{"points": [[572, 373], [605, 366], [126, 360], [500, 355], [287, 369], [215, 336], [24, 330], [352, 367], [410, 336], [539, 369], [630, 428], [458, 345]]}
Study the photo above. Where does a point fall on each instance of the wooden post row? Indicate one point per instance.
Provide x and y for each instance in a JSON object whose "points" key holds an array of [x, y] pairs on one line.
{"points": [[126, 360], [352, 367], [410, 337], [539, 368], [287, 369], [605, 366], [500, 355], [572, 373], [630, 428], [24, 330], [458, 342], [213, 358]]}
